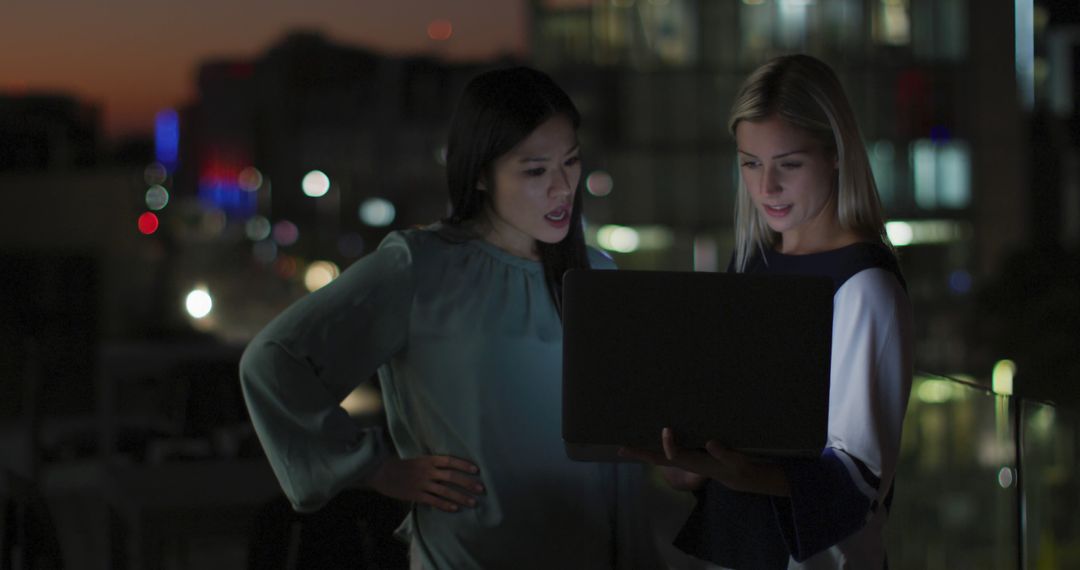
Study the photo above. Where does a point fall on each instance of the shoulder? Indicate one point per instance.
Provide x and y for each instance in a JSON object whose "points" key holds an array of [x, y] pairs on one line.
{"points": [[860, 257], [411, 238], [599, 259], [418, 244], [875, 295], [872, 284]]}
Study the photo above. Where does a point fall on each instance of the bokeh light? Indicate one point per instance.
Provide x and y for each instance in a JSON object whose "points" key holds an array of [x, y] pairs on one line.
{"points": [[148, 223], [257, 228], [214, 221], [363, 400], [1005, 477], [199, 303], [285, 266], [377, 212], [1001, 379], [319, 274], [440, 30], [264, 251], [933, 391], [618, 238], [167, 138], [900, 233], [599, 183], [960, 282], [286, 233], [250, 179], [157, 197], [315, 184], [351, 245], [155, 173]]}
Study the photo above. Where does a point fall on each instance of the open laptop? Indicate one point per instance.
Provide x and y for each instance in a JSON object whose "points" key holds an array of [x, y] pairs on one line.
{"points": [[739, 358]]}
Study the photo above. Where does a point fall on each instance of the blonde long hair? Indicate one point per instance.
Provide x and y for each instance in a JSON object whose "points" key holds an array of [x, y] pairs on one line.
{"points": [[804, 92]]}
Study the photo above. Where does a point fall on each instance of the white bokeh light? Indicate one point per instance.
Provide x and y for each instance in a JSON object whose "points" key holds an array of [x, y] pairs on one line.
{"points": [[316, 184], [257, 228], [319, 274], [618, 238], [199, 303], [599, 183], [157, 197], [377, 212], [900, 233]]}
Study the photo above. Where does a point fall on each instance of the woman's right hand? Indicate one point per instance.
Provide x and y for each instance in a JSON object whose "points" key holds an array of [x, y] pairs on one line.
{"points": [[681, 479], [677, 478], [442, 481]]}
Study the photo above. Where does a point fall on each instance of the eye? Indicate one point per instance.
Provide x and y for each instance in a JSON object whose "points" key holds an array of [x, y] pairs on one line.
{"points": [[572, 161], [538, 171], [791, 165], [749, 164]]}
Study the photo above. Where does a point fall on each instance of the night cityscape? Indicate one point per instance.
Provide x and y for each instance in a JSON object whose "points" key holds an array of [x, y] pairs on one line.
{"points": [[142, 253]]}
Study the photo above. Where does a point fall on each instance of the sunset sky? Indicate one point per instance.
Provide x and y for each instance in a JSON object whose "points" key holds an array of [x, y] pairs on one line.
{"points": [[134, 57]]}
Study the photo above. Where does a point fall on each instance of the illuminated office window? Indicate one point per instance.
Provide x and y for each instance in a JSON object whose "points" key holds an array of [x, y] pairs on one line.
{"points": [[883, 162], [939, 29], [787, 24], [755, 30], [942, 174], [892, 22], [792, 20], [1024, 44], [563, 37], [843, 24], [612, 32], [670, 30]]}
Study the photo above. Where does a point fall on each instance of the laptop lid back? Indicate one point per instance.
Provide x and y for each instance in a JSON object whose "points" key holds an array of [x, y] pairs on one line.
{"points": [[740, 358]]}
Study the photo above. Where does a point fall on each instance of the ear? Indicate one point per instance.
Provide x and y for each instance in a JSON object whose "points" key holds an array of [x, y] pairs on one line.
{"points": [[481, 185]]}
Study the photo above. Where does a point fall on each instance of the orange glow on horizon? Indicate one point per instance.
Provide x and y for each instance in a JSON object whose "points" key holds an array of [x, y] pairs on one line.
{"points": [[130, 67], [440, 30]]}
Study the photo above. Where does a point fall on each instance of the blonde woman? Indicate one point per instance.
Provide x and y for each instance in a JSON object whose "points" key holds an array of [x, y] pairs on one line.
{"points": [[807, 204]]}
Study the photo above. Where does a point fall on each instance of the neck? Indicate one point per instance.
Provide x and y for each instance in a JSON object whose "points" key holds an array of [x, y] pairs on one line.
{"points": [[498, 233], [802, 245]]}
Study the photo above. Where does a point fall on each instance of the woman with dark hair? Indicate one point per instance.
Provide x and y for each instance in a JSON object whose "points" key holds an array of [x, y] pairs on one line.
{"points": [[807, 205], [461, 321]]}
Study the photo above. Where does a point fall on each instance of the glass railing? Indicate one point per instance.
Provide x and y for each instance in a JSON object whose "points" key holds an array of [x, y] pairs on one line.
{"points": [[966, 499], [1051, 491]]}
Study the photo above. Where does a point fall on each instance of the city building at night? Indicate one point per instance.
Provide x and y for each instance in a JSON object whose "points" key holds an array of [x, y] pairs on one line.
{"points": [[134, 277], [44, 131]]}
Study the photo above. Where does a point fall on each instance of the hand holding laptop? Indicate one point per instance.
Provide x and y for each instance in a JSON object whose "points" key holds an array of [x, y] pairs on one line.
{"points": [[688, 469]]}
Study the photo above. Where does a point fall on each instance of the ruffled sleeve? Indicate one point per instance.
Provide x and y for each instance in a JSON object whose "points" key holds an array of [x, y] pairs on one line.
{"points": [[835, 495], [298, 369]]}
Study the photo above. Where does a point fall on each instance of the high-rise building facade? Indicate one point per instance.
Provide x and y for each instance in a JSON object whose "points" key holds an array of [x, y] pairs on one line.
{"points": [[934, 87]]}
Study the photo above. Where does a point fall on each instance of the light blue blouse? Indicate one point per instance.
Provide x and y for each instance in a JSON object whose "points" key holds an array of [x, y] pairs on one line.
{"points": [[468, 347]]}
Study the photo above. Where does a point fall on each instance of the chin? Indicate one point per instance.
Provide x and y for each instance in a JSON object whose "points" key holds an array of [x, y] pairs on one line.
{"points": [[552, 238], [778, 228]]}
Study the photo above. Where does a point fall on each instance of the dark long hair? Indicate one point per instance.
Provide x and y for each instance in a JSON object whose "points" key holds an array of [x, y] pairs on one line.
{"points": [[497, 111]]}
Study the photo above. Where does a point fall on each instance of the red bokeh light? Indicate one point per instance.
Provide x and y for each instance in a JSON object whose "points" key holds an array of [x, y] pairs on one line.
{"points": [[148, 223], [440, 30], [285, 266]]}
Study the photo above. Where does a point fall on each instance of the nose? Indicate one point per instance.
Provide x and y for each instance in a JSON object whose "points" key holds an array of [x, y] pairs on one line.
{"points": [[769, 182], [560, 184]]}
